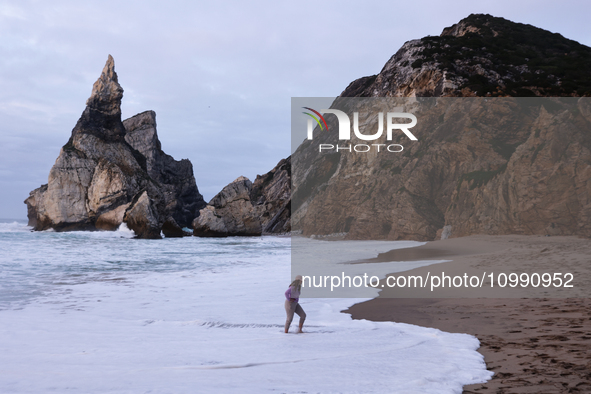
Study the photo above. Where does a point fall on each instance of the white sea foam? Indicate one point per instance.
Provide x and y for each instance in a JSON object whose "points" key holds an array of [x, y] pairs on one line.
{"points": [[125, 231], [13, 226], [199, 315]]}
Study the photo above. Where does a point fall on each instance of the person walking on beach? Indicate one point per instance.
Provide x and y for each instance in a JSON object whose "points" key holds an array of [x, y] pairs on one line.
{"points": [[292, 305]]}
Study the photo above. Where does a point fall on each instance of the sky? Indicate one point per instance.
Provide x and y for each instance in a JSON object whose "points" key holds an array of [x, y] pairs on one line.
{"points": [[220, 75]]}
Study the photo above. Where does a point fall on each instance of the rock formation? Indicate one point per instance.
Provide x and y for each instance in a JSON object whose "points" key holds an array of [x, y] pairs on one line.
{"points": [[243, 208], [492, 166], [271, 198], [176, 179], [112, 172], [229, 213], [483, 56]]}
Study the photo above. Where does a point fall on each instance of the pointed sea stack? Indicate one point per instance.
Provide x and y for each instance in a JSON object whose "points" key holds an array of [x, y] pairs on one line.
{"points": [[112, 172]]}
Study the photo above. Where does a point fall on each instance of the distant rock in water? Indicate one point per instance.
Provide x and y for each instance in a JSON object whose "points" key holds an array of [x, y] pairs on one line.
{"points": [[230, 212], [243, 208], [112, 172]]}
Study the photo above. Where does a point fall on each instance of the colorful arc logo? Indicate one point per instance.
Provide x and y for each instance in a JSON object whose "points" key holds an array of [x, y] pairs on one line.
{"points": [[315, 118]]}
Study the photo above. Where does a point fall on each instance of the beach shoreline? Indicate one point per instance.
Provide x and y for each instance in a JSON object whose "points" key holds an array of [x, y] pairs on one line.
{"points": [[532, 345]]}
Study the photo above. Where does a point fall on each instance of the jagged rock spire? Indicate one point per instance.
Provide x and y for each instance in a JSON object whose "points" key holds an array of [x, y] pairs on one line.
{"points": [[102, 115], [100, 178], [106, 92]]}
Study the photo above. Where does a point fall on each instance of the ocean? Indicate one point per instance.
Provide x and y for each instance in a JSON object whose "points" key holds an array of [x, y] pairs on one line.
{"points": [[101, 312]]}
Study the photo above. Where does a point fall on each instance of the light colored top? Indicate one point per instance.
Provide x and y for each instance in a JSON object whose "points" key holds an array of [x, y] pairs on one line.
{"points": [[292, 292]]}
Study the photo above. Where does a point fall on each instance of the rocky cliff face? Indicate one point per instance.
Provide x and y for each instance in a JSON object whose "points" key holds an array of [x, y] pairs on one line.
{"points": [[483, 56], [271, 198], [229, 213], [502, 166], [243, 208], [111, 172], [182, 200], [492, 166]]}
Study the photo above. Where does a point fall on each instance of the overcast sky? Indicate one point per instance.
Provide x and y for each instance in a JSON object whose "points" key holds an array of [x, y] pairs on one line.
{"points": [[219, 74]]}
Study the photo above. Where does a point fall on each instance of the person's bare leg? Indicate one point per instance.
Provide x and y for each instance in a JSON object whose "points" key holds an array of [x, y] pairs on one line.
{"points": [[300, 311], [301, 326], [289, 309]]}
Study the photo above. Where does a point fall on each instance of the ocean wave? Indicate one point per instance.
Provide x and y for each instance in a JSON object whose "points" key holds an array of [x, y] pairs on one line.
{"points": [[162, 313], [14, 226]]}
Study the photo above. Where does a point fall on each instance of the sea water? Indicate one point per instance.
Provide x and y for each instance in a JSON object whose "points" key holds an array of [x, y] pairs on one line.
{"points": [[101, 312]]}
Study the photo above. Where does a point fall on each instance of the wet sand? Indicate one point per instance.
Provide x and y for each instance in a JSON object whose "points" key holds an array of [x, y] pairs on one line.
{"points": [[534, 345]]}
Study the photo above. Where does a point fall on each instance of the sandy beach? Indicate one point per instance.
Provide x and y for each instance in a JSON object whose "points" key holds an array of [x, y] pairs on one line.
{"points": [[533, 344]]}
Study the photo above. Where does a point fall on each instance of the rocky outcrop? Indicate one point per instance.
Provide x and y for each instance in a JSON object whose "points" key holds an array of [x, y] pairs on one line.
{"points": [[483, 56], [229, 213], [502, 166], [243, 208], [143, 216], [182, 200], [490, 166], [111, 172], [271, 198]]}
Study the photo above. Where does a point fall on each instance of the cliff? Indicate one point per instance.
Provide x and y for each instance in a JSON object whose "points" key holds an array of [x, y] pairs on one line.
{"points": [[112, 172], [483, 56], [271, 198], [492, 165]]}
